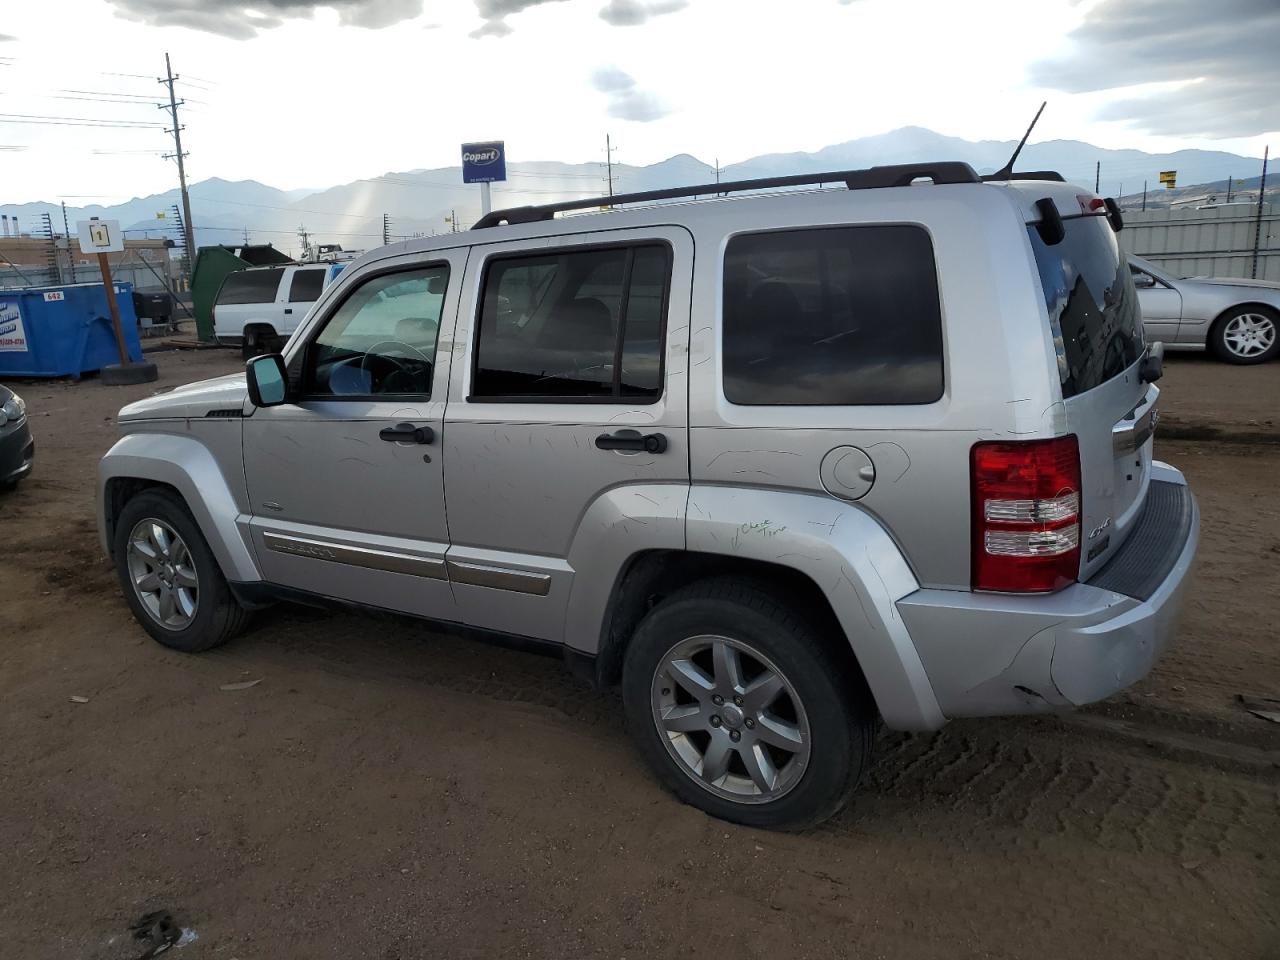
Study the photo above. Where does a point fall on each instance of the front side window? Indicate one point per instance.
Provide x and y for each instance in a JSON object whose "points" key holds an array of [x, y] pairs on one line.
{"points": [[250, 286], [832, 316], [306, 286], [574, 325], [382, 338]]}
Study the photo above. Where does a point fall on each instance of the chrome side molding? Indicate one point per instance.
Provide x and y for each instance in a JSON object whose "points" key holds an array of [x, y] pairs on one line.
{"points": [[388, 560], [459, 571], [500, 578]]}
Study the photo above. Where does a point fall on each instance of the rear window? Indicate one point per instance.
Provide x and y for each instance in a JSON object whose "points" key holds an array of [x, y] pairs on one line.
{"points": [[306, 286], [1092, 303], [837, 315], [250, 286]]}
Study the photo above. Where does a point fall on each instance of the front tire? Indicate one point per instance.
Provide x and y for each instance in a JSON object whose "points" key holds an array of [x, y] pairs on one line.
{"points": [[1246, 335], [742, 709], [170, 577]]}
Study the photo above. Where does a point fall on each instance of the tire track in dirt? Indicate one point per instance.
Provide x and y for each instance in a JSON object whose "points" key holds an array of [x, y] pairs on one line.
{"points": [[1005, 783]]}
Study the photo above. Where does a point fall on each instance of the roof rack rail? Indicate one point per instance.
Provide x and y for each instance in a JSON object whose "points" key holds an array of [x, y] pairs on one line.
{"points": [[899, 175], [1026, 175]]}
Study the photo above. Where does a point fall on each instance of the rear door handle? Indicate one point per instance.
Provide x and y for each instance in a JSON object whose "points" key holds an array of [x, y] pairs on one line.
{"points": [[288, 309], [632, 440], [407, 433]]}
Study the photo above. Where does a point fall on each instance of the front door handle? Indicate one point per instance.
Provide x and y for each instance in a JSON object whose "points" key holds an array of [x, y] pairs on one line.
{"points": [[632, 440], [407, 433]]}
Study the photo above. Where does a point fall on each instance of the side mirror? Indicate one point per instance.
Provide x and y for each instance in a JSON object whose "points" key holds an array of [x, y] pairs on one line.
{"points": [[1144, 281], [268, 381], [1152, 367]]}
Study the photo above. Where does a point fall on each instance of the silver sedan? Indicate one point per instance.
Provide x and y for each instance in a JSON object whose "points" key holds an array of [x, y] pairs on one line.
{"points": [[1237, 320]]}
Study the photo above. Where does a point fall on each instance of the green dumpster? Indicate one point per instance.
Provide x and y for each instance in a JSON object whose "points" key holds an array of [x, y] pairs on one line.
{"points": [[212, 266]]}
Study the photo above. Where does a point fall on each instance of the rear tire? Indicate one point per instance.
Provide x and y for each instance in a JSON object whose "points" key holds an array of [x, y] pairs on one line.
{"points": [[1246, 335], [821, 717], [170, 577], [258, 341]]}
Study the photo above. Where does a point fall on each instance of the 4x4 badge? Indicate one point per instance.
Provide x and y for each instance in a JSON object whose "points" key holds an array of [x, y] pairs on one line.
{"points": [[1093, 534]]}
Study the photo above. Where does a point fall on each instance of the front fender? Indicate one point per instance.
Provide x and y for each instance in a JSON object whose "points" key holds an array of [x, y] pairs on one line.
{"points": [[190, 468], [856, 564]]}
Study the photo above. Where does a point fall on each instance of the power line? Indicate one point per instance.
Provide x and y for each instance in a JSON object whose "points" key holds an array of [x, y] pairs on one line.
{"points": [[74, 121], [267, 206]]}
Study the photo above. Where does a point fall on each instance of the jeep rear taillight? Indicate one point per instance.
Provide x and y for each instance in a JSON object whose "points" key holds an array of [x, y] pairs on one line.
{"points": [[1026, 515]]}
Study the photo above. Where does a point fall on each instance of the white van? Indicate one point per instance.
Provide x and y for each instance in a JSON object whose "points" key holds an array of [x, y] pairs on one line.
{"points": [[258, 308]]}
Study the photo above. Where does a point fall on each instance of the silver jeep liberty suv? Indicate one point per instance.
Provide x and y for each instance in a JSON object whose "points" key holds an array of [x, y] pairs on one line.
{"points": [[778, 462]]}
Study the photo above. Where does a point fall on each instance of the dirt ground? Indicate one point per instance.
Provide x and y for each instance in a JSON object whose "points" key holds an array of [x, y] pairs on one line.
{"points": [[389, 791]]}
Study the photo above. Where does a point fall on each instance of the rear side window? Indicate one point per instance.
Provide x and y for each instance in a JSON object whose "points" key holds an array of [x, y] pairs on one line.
{"points": [[250, 286], [574, 325], [306, 286], [844, 316], [1092, 303]]}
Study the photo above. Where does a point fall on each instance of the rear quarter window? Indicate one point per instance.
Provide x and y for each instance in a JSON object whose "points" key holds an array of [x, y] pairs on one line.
{"points": [[250, 286], [832, 316], [306, 286], [1092, 303]]}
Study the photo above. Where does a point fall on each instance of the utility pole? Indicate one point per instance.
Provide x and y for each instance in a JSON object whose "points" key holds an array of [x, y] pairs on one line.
{"points": [[1229, 189], [66, 232], [1097, 176], [305, 239], [1144, 195], [1257, 226], [246, 234], [608, 160], [180, 156], [452, 220], [386, 230]]}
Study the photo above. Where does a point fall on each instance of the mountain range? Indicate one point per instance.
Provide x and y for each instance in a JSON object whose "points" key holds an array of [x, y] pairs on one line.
{"points": [[419, 201]]}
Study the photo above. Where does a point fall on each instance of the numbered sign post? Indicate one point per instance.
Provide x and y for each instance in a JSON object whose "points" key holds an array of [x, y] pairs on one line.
{"points": [[102, 237]]}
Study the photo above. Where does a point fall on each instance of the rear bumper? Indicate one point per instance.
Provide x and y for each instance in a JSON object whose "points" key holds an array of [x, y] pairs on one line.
{"points": [[17, 452], [989, 654]]}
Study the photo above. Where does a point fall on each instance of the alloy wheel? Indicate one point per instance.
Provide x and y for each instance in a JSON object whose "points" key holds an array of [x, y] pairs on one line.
{"points": [[163, 573], [730, 719], [1249, 334]]}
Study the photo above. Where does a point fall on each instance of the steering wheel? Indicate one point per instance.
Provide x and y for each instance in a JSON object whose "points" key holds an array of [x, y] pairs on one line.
{"points": [[402, 368]]}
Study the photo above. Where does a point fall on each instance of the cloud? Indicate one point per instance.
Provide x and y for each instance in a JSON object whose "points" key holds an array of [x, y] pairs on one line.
{"points": [[491, 28], [1222, 55], [494, 13], [626, 102], [632, 13], [242, 19], [5, 36]]}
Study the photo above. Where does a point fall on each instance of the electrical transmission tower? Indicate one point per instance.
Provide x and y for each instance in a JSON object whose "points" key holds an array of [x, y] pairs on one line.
{"points": [[608, 162], [51, 254], [168, 80], [184, 259], [386, 229]]}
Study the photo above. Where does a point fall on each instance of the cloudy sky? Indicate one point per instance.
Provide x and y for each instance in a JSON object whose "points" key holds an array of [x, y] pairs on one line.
{"points": [[309, 93]]}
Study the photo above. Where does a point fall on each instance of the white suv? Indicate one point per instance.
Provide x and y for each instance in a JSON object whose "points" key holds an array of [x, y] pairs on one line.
{"points": [[258, 308]]}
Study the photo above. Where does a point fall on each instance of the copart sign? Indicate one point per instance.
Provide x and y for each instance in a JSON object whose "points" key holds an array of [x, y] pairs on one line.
{"points": [[484, 162]]}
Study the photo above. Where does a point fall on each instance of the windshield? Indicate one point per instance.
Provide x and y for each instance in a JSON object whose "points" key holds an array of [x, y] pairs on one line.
{"points": [[1092, 303]]}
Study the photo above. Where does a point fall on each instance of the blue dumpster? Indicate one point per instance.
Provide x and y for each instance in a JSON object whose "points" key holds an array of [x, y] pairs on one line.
{"points": [[63, 331]]}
